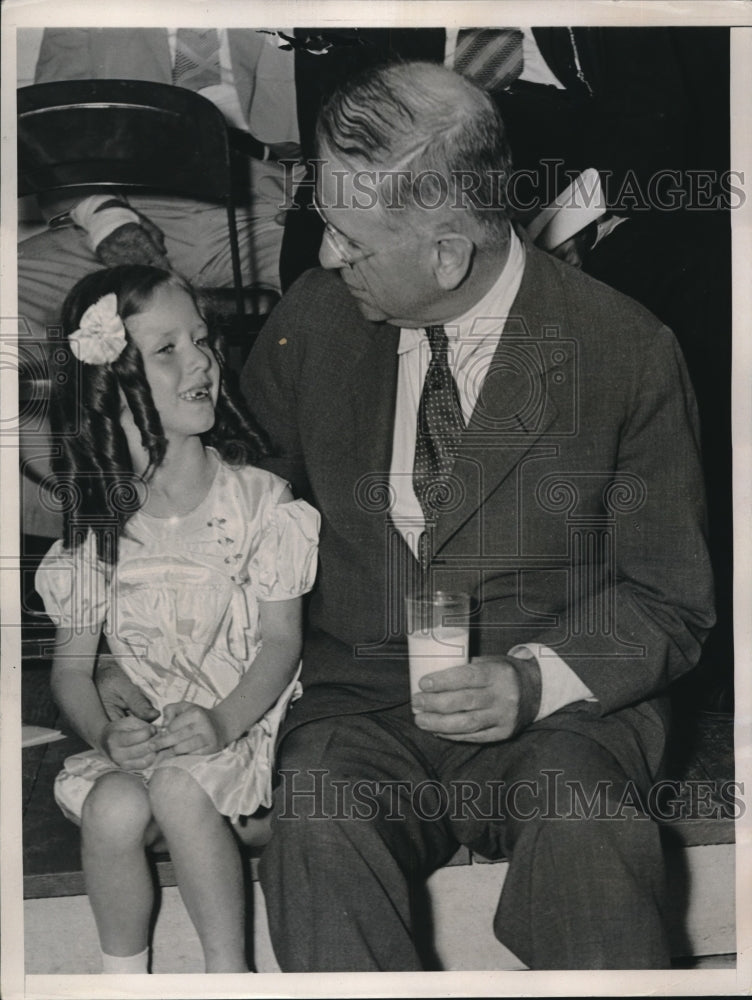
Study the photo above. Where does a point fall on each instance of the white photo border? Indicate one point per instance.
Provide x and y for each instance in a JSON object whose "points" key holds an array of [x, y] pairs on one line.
{"points": [[362, 13]]}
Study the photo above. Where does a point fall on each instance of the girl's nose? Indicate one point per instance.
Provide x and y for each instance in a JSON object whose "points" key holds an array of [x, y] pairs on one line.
{"points": [[202, 357]]}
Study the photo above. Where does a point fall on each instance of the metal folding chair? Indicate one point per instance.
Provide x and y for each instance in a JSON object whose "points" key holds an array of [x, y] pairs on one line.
{"points": [[127, 134]]}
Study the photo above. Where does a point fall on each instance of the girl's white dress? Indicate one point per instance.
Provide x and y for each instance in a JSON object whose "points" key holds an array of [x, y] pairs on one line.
{"points": [[181, 614]]}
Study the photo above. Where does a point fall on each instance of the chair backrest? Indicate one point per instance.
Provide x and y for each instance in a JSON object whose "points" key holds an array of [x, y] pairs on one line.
{"points": [[126, 133]]}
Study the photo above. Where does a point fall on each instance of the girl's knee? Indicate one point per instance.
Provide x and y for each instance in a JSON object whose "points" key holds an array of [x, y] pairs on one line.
{"points": [[117, 807], [173, 792]]}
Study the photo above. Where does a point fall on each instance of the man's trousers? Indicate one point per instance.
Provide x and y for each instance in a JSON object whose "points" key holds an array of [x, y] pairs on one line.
{"points": [[369, 805]]}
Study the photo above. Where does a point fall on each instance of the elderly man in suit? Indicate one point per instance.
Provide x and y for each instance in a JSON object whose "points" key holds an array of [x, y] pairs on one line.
{"points": [[470, 414], [473, 415]]}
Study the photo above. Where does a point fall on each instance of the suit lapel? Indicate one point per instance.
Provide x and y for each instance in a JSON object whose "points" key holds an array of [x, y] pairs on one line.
{"points": [[516, 406], [157, 46], [246, 47], [140, 54], [375, 376]]}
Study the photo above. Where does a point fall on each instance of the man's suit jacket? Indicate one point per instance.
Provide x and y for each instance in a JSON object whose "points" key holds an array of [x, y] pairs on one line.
{"points": [[578, 517]]}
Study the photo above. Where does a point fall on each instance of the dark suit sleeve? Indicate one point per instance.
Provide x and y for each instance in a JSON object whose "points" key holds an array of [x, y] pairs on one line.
{"points": [[268, 385], [660, 598]]}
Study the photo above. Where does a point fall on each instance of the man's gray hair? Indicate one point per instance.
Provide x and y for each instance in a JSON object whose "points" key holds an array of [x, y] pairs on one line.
{"points": [[441, 132]]}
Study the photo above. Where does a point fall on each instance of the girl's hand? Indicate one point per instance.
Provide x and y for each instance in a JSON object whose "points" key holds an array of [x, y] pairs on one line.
{"points": [[127, 742], [118, 694], [189, 728]]}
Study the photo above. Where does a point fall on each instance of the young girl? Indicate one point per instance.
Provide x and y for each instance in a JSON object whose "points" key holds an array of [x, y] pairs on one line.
{"points": [[193, 562]]}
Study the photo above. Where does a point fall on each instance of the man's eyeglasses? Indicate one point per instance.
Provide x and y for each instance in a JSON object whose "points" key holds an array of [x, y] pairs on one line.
{"points": [[349, 253]]}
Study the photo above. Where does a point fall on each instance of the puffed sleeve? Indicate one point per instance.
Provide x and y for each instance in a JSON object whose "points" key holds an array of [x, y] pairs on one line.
{"points": [[73, 585], [284, 563]]}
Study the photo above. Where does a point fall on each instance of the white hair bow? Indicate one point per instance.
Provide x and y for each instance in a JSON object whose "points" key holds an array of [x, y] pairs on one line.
{"points": [[100, 339]]}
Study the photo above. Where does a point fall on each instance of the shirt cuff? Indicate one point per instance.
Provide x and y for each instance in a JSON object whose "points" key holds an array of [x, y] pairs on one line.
{"points": [[560, 685], [99, 224]]}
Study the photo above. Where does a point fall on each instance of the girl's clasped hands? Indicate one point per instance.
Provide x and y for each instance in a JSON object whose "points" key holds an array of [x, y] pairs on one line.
{"points": [[183, 728]]}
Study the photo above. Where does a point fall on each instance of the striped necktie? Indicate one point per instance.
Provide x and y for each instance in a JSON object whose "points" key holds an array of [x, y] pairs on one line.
{"points": [[196, 58], [491, 57], [439, 429]]}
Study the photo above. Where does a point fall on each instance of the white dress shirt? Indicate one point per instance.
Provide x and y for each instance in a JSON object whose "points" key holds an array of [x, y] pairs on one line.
{"points": [[473, 339]]}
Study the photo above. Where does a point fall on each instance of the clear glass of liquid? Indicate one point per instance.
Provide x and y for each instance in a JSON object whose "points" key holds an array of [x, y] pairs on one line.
{"points": [[437, 633]]}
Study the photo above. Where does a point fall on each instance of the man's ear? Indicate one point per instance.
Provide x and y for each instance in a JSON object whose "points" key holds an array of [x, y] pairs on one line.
{"points": [[453, 255]]}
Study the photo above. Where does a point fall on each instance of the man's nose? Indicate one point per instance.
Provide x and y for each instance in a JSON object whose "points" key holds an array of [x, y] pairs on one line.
{"points": [[329, 258]]}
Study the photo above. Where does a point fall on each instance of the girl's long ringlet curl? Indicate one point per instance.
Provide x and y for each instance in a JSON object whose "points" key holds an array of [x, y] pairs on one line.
{"points": [[85, 414]]}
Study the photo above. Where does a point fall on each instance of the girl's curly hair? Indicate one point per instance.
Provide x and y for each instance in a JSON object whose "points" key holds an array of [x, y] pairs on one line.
{"points": [[93, 467]]}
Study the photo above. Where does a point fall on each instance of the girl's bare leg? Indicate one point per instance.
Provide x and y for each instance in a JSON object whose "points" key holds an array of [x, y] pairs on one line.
{"points": [[116, 825], [207, 865]]}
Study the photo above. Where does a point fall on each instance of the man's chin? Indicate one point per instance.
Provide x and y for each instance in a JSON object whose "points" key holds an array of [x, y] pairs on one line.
{"points": [[371, 312]]}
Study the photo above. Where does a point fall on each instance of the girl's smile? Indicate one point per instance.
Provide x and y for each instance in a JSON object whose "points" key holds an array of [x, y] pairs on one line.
{"points": [[198, 394], [180, 366]]}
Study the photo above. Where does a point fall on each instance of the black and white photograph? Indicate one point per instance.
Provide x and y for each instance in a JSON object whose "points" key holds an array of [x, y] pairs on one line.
{"points": [[375, 449]]}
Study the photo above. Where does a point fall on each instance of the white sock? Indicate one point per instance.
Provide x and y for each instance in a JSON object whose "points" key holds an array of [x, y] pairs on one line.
{"points": [[125, 964]]}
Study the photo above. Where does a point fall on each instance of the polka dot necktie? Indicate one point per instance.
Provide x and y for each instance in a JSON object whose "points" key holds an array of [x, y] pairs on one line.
{"points": [[196, 58], [440, 426]]}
